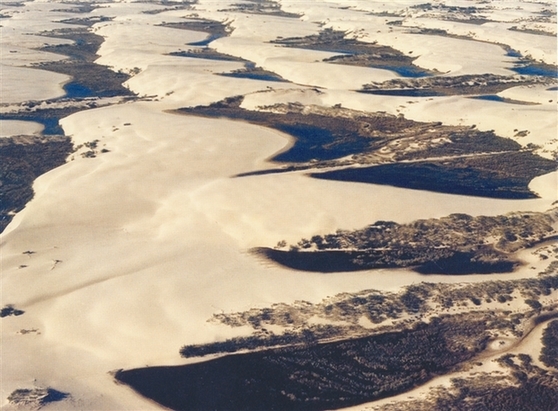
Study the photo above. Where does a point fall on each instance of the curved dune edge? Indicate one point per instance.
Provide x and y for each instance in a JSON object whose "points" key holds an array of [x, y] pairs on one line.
{"points": [[15, 127]]}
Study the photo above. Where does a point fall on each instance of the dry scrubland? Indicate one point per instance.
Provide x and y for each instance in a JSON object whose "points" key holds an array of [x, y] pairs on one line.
{"points": [[249, 192]]}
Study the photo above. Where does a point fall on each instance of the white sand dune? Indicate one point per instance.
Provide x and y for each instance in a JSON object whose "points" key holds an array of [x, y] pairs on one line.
{"points": [[541, 48], [39, 84], [120, 259], [15, 55], [15, 127]]}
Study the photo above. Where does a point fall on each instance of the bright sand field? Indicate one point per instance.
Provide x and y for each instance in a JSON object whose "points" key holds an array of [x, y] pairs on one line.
{"points": [[119, 260]]}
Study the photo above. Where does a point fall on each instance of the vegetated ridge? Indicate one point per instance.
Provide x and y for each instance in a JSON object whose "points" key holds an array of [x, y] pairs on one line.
{"points": [[457, 244]]}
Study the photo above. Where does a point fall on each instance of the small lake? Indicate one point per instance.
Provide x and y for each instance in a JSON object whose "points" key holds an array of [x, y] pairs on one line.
{"points": [[50, 123], [489, 97], [513, 53], [77, 90], [494, 97], [206, 41], [536, 70], [316, 143], [206, 55], [532, 69], [406, 71], [255, 76], [408, 92]]}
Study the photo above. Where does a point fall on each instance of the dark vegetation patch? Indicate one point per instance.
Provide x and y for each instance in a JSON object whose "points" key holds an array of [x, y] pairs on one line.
{"points": [[36, 397], [206, 53], [251, 71], [426, 261], [460, 141], [13, 4], [327, 261], [343, 312], [460, 263], [525, 387], [169, 5], [22, 160], [462, 14], [457, 244], [549, 354], [314, 377], [357, 53], [9, 310], [263, 7], [87, 21], [450, 86], [494, 97], [505, 175], [402, 92], [263, 340], [532, 31]]}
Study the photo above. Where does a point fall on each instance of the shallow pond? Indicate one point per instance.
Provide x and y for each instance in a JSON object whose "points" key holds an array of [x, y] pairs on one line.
{"points": [[535, 70], [408, 92], [406, 71], [255, 76], [77, 90], [315, 143], [206, 41]]}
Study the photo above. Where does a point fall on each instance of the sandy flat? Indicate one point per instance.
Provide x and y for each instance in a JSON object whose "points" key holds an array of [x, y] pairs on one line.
{"points": [[14, 127], [15, 55], [39, 84]]}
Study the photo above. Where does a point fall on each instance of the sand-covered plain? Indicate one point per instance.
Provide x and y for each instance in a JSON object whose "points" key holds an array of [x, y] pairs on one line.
{"points": [[120, 259], [16, 127]]}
